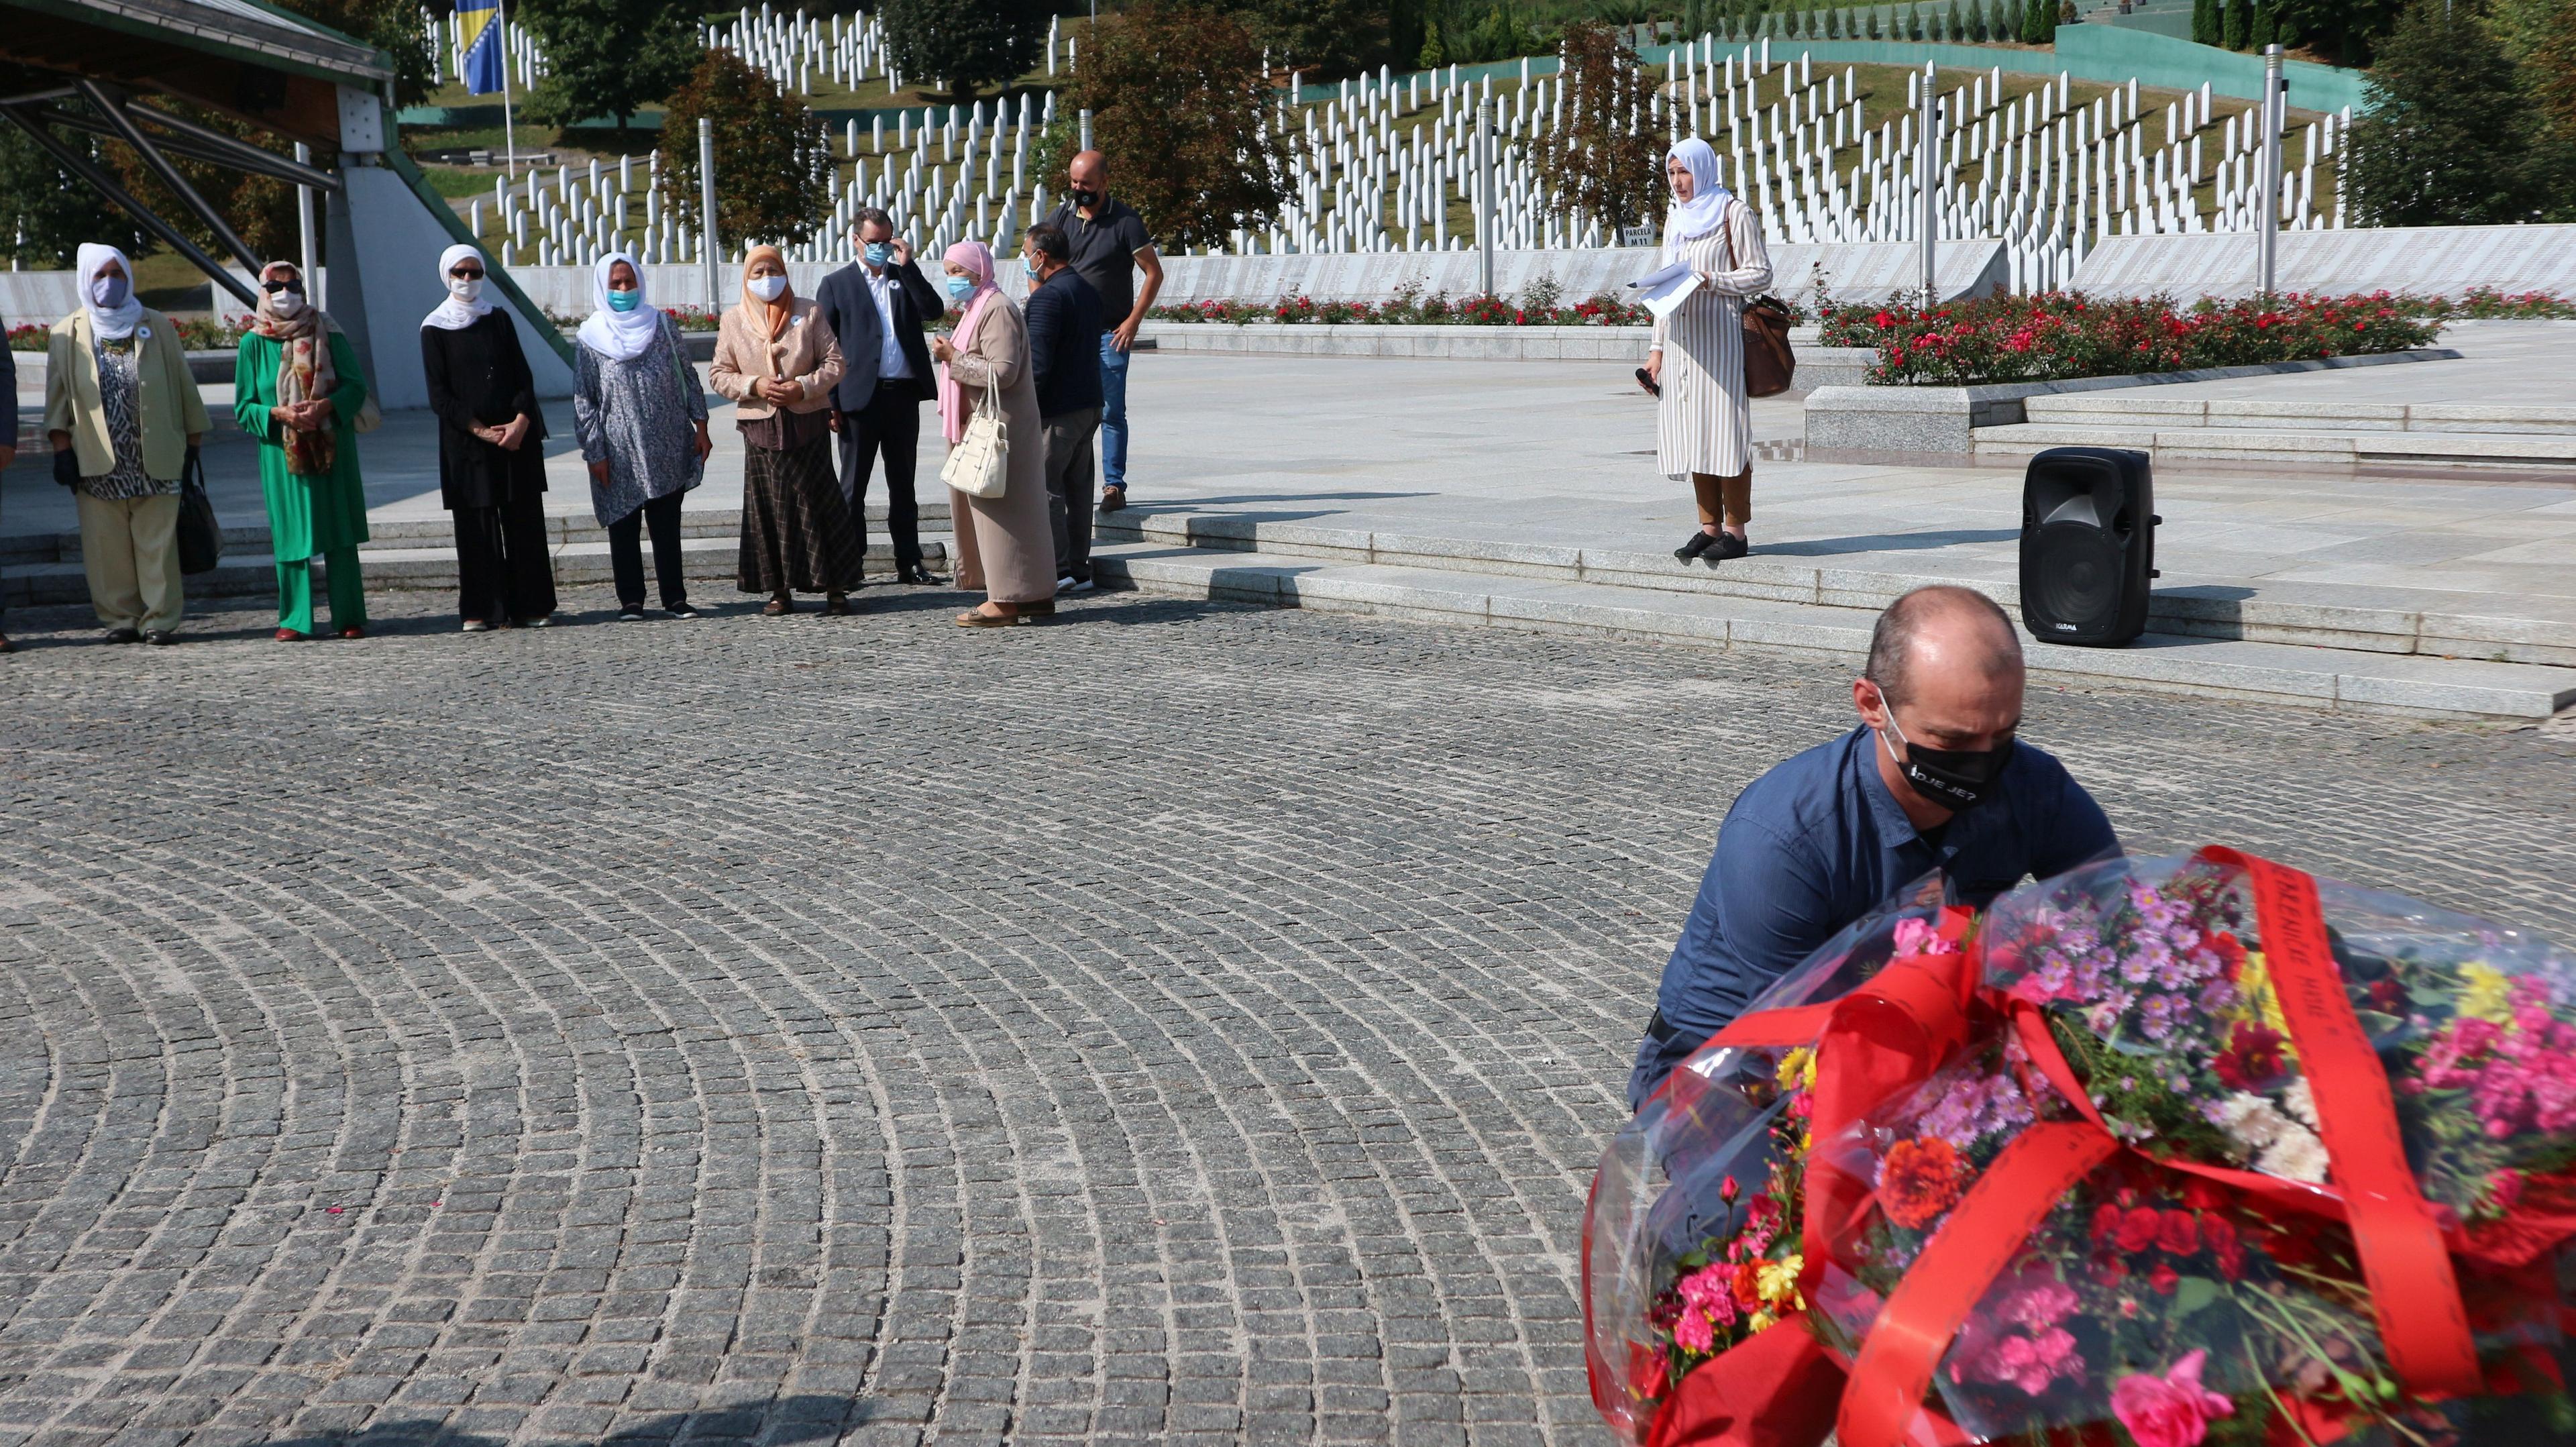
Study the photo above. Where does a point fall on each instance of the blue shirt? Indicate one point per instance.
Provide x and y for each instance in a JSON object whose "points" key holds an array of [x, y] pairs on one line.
{"points": [[1819, 841]]}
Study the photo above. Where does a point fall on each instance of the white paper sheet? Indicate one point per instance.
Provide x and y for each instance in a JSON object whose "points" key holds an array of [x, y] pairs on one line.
{"points": [[1664, 289]]}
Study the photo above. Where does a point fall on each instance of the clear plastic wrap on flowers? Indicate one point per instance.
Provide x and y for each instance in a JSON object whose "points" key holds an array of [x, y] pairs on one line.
{"points": [[2157, 986], [1691, 1238], [2145, 1298]]}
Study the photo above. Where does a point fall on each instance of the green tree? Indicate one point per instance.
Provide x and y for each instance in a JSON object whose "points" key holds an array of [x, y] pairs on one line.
{"points": [[2039, 24], [2343, 30], [46, 213], [1180, 109], [610, 57], [2448, 139], [1591, 161], [2549, 67], [1914, 22], [2239, 25], [1330, 37], [773, 161], [2206, 27], [965, 45]]}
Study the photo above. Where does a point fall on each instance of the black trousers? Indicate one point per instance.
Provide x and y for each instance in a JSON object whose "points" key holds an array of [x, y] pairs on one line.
{"points": [[504, 571], [891, 424], [626, 553]]}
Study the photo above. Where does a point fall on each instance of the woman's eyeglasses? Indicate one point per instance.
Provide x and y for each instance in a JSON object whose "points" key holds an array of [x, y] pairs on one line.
{"points": [[466, 274], [274, 287]]}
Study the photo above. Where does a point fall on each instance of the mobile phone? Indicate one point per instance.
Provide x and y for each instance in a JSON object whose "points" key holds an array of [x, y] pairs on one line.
{"points": [[1646, 380]]}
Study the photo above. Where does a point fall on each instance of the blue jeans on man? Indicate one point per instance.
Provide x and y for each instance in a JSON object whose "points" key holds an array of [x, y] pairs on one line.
{"points": [[1113, 413]]}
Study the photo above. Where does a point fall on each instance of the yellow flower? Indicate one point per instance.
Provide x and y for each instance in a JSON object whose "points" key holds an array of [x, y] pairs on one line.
{"points": [[1777, 1281], [1797, 1067], [2255, 982], [1760, 1321], [2485, 997]]}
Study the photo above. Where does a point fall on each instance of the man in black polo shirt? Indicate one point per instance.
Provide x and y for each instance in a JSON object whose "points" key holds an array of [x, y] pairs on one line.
{"points": [[1064, 350], [1108, 242]]}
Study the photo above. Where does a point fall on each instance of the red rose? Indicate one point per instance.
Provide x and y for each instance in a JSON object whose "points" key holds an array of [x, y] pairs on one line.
{"points": [[2164, 1278], [2178, 1234], [2139, 1229], [2106, 1221], [1747, 1286], [2219, 1234]]}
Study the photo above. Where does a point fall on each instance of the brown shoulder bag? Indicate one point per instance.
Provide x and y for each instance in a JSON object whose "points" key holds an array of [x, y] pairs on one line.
{"points": [[1769, 364]]}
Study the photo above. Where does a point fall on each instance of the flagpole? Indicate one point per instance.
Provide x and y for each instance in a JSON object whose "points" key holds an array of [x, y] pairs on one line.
{"points": [[509, 126]]}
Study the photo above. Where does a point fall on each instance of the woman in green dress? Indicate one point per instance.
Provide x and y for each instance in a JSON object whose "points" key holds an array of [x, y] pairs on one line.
{"points": [[298, 390]]}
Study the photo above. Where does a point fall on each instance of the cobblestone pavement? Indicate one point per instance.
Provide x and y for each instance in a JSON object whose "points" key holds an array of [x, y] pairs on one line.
{"points": [[1179, 1023]]}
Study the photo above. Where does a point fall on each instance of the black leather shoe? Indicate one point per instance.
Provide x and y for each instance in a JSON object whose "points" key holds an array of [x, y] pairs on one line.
{"points": [[160, 637], [1728, 546], [1698, 544], [919, 576], [125, 635]]}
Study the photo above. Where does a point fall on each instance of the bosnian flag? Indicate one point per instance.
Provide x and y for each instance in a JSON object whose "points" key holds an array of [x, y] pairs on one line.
{"points": [[480, 22]]}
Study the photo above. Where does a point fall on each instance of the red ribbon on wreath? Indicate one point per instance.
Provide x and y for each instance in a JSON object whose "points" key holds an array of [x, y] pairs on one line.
{"points": [[1896, 1029]]}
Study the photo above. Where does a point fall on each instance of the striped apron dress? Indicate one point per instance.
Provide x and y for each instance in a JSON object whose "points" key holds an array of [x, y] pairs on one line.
{"points": [[1705, 422]]}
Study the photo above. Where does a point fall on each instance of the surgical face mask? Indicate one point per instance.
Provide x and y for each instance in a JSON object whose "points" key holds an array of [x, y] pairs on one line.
{"points": [[286, 301], [960, 287], [1952, 778], [768, 288], [624, 301], [465, 288], [109, 291], [880, 254]]}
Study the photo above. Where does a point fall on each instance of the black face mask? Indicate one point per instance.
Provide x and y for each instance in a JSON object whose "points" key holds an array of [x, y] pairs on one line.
{"points": [[1957, 779], [1085, 197]]}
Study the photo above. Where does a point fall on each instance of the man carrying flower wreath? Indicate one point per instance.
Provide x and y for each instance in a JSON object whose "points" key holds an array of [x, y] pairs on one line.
{"points": [[1932, 779]]}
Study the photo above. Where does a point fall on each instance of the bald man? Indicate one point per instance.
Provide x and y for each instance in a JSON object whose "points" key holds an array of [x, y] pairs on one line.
{"points": [[1109, 241], [1932, 779]]}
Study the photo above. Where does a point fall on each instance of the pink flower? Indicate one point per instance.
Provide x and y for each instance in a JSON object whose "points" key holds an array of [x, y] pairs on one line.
{"points": [[2043, 1303], [1692, 1332], [2032, 1362], [2172, 1410]]}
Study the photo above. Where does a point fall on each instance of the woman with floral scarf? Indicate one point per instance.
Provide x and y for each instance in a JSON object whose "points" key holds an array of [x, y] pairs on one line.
{"points": [[296, 387]]}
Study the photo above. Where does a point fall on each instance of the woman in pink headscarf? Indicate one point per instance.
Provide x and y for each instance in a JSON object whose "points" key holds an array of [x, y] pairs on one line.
{"points": [[1006, 544]]}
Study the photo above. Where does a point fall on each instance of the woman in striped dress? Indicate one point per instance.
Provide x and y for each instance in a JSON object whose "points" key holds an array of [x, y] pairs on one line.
{"points": [[1704, 426]]}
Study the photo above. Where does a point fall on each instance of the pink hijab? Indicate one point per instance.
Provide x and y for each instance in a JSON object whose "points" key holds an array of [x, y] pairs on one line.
{"points": [[977, 258]]}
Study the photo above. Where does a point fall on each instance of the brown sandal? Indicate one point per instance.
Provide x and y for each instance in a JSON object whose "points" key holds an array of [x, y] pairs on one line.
{"points": [[978, 618], [778, 608]]}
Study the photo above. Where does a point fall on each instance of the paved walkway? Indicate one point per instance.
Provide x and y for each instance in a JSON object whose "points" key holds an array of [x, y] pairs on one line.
{"points": [[1181, 1024]]}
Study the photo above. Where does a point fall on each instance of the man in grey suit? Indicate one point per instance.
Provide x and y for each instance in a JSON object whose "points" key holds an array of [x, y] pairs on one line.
{"points": [[875, 307]]}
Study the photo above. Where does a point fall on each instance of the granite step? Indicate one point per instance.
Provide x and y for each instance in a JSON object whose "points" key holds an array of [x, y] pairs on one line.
{"points": [[2404, 621], [246, 574], [2274, 672], [2355, 448], [435, 530], [2145, 409]]}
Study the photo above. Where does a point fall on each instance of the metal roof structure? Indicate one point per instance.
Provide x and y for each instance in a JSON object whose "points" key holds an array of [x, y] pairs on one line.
{"points": [[250, 60]]}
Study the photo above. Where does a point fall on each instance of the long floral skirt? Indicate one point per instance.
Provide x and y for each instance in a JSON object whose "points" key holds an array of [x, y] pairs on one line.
{"points": [[796, 530]]}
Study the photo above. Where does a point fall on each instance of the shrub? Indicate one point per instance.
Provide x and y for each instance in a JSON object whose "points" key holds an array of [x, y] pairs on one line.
{"points": [[28, 338], [772, 158], [1180, 109], [2057, 335]]}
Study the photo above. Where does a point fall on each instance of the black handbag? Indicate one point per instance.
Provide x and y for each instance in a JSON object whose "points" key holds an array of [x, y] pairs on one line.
{"points": [[201, 538]]}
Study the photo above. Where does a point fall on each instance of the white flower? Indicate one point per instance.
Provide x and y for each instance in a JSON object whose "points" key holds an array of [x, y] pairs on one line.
{"points": [[2296, 1156], [2302, 1103], [2250, 1119]]}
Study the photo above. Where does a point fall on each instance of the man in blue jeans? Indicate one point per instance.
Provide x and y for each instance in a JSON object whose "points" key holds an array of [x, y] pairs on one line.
{"points": [[1109, 243]]}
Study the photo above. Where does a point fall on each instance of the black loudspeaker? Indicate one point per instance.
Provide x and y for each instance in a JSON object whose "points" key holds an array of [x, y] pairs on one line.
{"points": [[2088, 545]]}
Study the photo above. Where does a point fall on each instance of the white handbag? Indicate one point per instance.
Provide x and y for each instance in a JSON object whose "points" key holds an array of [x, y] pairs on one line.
{"points": [[980, 464]]}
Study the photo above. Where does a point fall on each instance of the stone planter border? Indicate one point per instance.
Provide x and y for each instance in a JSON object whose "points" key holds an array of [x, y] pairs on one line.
{"points": [[1945, 419]]}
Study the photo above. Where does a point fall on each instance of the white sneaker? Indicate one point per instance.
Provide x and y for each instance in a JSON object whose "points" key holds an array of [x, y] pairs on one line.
{"points": [[1064, 585], [1073, 585], [477, 625]]}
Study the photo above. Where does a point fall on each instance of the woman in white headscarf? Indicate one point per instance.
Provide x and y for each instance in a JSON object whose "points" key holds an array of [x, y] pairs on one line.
{"points": [[642, 420], [296, 388], [1704, 426], [491, 472], [123, 413]]}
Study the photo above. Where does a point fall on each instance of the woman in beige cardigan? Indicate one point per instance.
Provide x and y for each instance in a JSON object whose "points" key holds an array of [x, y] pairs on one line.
{"points": [[122, 411], [779, 363], [1008, 550]]}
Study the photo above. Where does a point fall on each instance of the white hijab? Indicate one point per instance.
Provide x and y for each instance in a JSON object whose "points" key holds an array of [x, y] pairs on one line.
{"points": [[1689, 220], [616, 335], [456, 314], [116, 323]]}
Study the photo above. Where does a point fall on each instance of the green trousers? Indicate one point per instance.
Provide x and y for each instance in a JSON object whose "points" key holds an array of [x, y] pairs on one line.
{"points": [[348, 591]]}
